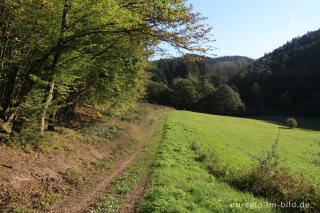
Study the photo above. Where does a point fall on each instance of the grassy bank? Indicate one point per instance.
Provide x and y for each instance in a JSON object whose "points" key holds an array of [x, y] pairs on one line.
{"points": [[37, 172], [114, 200]]}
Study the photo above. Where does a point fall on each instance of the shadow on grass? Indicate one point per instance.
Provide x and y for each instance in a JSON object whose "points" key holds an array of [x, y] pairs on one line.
{"points": [[304, 122]]}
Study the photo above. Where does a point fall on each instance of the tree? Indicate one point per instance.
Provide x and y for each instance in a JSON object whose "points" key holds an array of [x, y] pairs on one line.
{"points": [[292, 123], [56, 54], [185, 94], [223, 101], [159, 93]]}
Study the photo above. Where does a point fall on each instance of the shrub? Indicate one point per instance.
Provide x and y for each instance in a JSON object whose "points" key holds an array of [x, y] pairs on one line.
{"points": [[280, 186], [137, 116], [27, 135], [292, 123], [272, 160]]}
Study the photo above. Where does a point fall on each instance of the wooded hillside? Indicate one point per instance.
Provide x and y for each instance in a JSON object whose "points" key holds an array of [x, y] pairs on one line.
{"points": [[285, 81]]}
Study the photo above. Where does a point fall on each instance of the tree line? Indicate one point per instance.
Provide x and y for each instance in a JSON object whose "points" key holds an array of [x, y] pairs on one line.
{"points": [[198, 84], [58, 54], [285, 81]]}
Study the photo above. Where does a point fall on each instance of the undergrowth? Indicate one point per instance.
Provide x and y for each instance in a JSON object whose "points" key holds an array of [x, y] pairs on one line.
{"points": [[278, 185], [104, 131]]}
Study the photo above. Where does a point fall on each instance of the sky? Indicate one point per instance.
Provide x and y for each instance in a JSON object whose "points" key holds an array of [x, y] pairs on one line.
{"points": [[254, 27]]}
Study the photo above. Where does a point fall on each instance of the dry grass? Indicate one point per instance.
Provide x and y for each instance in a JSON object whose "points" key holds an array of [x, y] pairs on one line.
{"points": [[75, 154]]}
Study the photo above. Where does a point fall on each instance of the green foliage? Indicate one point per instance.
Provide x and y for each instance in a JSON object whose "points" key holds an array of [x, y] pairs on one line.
{"points": [[56, 55], [185, 94], [159, 93], [191, 84], [272, 160], [227, 101], [287, 79], [217, 71], [292, 123], [224, 100]]}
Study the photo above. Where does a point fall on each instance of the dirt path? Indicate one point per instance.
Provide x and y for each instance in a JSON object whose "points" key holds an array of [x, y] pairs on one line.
{"points": [[133, 199], [82, 200]]}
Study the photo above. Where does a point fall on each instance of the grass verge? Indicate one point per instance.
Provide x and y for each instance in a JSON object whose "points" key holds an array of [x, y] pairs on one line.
{"points": [[113, 201]]}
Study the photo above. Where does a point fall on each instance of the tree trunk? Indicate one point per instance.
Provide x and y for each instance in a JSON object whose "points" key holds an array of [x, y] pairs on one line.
{"points": [[46, 105], [63, 31], [5, 125]]}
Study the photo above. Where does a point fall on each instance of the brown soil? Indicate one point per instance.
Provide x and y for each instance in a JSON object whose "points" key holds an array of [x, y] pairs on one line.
{"points": [[132, 201], [36, 179], [26, 175], [80, 201]]}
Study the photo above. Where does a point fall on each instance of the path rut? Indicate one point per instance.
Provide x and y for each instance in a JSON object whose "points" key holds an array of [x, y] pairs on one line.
{"points": [[82, 200]]}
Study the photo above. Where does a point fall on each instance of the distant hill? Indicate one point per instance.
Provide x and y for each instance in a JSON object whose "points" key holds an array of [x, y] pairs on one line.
{"points": [[218, 70], [285, 81]]}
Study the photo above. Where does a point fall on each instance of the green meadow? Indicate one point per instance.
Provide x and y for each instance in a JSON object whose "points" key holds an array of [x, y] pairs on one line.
{"points": [[181, 182], [235, 140]]}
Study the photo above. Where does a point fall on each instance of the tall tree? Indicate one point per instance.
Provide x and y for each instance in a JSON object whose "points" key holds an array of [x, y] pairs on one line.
{"points": [[52, 50]]}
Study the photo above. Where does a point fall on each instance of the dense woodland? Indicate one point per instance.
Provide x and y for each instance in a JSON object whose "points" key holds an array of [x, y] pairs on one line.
{"points": [[286, 81], [198, 83], [58, 54]]}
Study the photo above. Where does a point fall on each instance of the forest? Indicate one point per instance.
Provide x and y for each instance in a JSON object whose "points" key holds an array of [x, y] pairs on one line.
{"points": [[285, 81], [57, 55]]}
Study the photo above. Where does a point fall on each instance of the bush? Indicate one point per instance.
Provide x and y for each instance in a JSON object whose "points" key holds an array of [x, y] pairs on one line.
{"points": [[280, 186], [272, 160], [292, 123], [26, 134], [137, 116]]}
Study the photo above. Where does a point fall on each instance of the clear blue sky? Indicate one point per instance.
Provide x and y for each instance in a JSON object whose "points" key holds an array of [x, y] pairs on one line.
{"points": [[255, 27]]}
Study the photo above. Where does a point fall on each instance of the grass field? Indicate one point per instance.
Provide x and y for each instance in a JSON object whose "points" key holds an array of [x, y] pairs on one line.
{"points": [[235, 140], [181, 182]]}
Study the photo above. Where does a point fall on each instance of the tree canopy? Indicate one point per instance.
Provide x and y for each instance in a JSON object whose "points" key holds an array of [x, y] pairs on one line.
{"points": [[57, 54]]}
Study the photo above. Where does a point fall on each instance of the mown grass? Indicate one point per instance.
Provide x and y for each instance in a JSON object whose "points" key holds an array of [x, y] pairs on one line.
{"points": [[113, 201], [235, 140], [180, 182]]}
